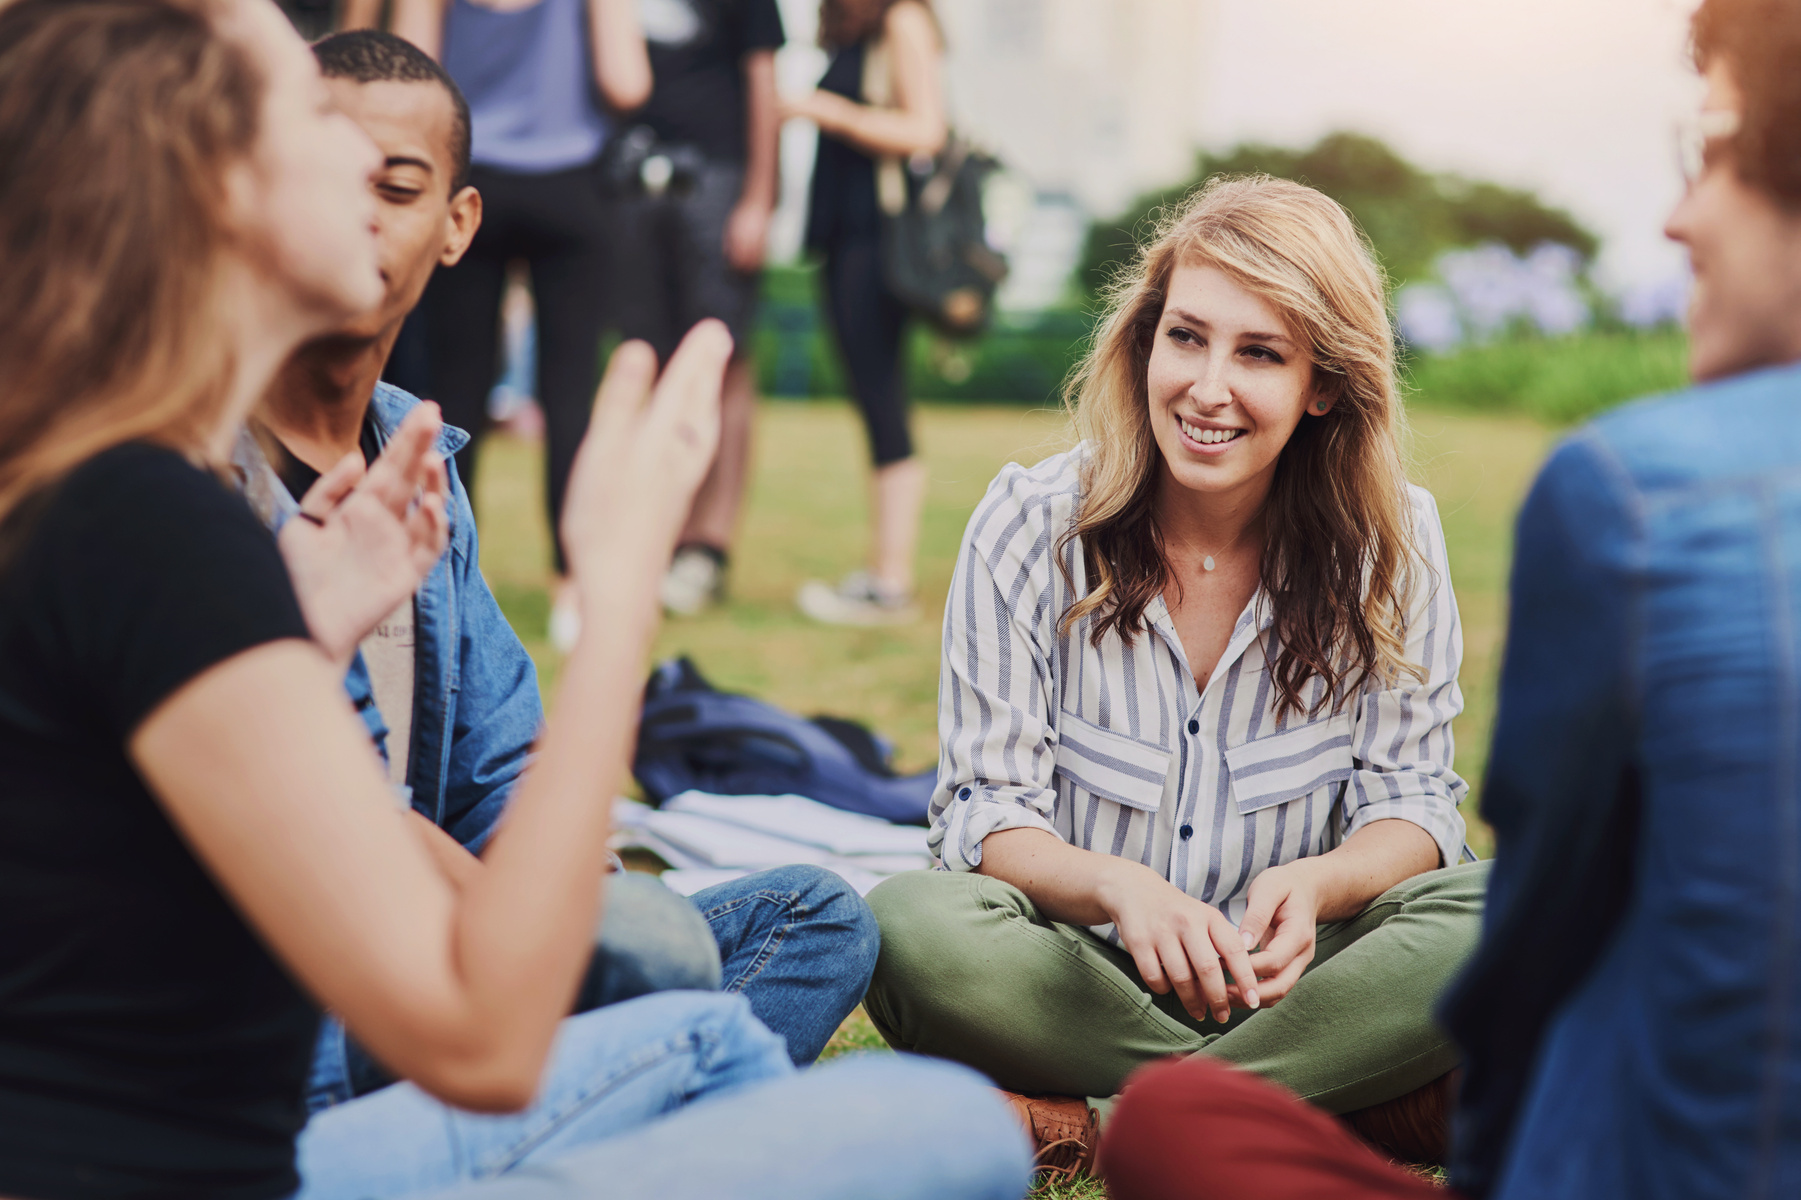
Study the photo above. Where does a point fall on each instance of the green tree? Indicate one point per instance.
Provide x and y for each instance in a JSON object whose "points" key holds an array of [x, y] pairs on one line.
{"points": [[1410, 215]]}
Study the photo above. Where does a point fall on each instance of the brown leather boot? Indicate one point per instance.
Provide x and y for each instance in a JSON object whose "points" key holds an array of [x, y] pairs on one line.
{"points": [[1415, 1128], [1065, 1132]]}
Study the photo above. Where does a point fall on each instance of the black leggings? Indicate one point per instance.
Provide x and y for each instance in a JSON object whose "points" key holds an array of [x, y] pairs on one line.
{"points": [[555, 223], [871, 326]]}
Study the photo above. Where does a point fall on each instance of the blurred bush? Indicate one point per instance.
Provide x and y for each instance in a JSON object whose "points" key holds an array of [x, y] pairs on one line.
{"points": [[1487, 290], [1024, 360], [1410, 215], [1558, 380]]}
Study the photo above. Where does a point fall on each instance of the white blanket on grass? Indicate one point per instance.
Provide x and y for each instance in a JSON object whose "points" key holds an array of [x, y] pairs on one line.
{"points": [[708, 839]]}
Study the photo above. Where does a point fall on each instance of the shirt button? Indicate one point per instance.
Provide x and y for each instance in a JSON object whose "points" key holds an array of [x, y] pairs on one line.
{"points": [[1194, 726], [963, 795], [1187, 832]]}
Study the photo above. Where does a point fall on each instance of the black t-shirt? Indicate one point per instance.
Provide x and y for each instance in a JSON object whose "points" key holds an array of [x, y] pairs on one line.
{"points": [[299, 477], [149, 1044], [697, 50]]}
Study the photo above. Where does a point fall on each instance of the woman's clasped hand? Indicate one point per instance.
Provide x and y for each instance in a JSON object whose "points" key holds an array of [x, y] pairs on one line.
{"points": [[1178, 942]]}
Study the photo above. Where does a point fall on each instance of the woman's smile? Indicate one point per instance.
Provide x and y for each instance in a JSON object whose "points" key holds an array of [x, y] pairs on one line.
{"points": [[1199, 437]]}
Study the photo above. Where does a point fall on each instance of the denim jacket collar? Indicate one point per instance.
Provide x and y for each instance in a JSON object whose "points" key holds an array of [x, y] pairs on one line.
{"points": [[269, 497]]}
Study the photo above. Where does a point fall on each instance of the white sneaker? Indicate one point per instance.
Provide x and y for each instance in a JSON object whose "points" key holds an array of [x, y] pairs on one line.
{"points": [[857, 600], [565, 621], [694, 581]]}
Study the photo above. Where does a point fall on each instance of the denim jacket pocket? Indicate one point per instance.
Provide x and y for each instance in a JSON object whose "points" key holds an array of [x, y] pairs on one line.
{"points": [[1111, 765], [1289, 765]]}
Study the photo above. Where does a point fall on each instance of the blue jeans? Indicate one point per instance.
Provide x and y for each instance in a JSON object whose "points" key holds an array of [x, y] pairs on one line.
{"points": [[797, 942], [679, 1095]]}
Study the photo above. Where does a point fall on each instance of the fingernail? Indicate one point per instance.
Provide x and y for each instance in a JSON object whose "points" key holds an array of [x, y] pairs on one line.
{"points": [[1250, 998], [1249, 940]]}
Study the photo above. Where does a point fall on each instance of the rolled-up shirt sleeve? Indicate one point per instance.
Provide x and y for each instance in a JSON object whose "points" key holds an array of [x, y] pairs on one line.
{"points": [[997, 744], [1402, 745]]}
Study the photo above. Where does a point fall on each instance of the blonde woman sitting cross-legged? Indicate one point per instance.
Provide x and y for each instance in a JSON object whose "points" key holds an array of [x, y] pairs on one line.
{"points": [[1196, 789]]}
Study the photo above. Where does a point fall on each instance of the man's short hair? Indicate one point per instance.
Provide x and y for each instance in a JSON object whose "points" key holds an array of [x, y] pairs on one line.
{"points": [[1760, 41], [371, 56]]}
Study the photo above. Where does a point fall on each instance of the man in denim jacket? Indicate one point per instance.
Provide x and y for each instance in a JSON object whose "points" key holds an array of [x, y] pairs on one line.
{"points": [[447, 691]]}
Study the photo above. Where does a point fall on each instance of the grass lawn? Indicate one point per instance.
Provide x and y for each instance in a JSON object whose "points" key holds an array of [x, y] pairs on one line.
{"points": [[806, 516]]}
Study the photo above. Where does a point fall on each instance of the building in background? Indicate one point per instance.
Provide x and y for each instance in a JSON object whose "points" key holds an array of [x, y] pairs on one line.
{"points": [[1096, 99]]}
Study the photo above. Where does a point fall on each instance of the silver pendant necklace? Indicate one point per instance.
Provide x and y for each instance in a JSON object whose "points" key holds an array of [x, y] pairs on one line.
{"points": [[1207, 563]]}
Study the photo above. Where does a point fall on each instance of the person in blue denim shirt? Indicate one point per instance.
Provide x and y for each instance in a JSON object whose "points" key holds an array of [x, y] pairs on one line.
{"points": [[444, 686], [1633, 1014], [1631, 1018]]}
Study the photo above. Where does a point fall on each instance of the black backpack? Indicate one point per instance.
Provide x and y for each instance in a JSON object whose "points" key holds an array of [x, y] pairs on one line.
{"points": [[935, 254], [694, 736]]}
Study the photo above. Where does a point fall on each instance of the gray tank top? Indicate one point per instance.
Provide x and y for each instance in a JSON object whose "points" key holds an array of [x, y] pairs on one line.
{"points": [[529, 80]]}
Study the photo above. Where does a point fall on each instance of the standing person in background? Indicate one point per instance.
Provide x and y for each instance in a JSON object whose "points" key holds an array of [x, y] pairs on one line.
{"points": [[692, 246], [881, 97], [536, 75]]}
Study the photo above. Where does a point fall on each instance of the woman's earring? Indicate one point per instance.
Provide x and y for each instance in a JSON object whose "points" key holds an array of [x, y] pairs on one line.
{"points": [[1319, 407]]}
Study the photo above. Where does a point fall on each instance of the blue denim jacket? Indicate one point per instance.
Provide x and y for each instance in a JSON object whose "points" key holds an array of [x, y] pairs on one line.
{"points": [[476, 708], [1632, 1016]]}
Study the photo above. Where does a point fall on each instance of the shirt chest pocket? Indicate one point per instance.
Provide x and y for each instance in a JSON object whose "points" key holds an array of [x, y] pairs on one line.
{"points": [[1111, 765], [1286, 766]]}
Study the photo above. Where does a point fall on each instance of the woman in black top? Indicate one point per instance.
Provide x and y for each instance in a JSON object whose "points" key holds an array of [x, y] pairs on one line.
{"points": [[880, 97], [197, 841], [182, 789]]}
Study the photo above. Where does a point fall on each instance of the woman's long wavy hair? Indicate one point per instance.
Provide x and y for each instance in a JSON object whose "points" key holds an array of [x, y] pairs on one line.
{"points": [[117, 121], [1339, 560]]}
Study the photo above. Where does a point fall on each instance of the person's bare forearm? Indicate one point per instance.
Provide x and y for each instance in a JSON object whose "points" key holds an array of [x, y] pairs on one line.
{"points": [[544, 870], [1066, 882], [878, 131], [421, 22], [621, 60], [1368, 863], [459, 866], [762, 131]]}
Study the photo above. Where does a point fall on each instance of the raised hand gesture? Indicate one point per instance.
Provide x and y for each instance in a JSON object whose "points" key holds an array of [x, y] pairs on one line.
{"points": [[365, 539], [650, 444]]}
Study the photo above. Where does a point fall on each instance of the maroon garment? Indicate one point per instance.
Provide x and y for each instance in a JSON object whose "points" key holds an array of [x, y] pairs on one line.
{"points": [[1194, 1129]]}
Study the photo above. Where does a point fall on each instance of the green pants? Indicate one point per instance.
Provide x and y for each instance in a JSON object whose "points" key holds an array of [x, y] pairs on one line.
{"points": [[970, 970]]}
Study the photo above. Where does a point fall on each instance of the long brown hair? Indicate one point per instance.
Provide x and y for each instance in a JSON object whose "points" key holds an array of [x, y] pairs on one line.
{"points": [[1339, 562], [117, 120], [846, 22]]}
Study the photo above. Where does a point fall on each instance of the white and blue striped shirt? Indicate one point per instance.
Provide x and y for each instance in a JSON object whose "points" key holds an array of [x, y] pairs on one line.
{"points": [[1113, 747]]}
